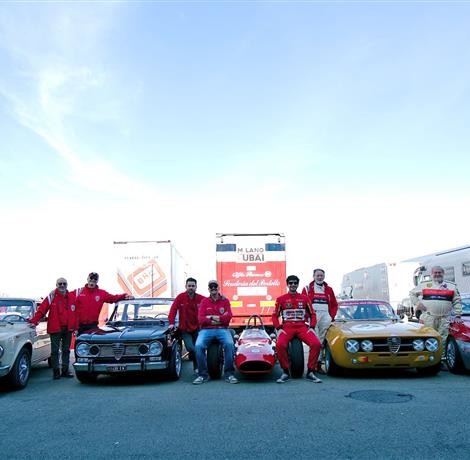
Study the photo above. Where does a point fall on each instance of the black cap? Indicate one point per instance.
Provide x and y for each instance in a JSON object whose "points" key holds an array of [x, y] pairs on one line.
{"points": [[93, 276]]}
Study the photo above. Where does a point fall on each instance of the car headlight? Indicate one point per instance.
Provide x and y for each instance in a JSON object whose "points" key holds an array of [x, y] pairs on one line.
{"points": [[418, 345], [82, 349], [143, 349], [367, 345], [1, 351], [155, 348], [352, 346], [432, 344]]}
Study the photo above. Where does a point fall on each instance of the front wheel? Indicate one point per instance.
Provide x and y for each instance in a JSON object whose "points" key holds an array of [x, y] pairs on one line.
{"points": [[331, 368], [454, 360], [86, 377], [19, 374], [174, 369], [215, 360], [296, 355]]}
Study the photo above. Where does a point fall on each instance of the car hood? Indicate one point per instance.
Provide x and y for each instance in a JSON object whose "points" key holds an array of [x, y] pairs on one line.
{"points": [[380, 328], [123, 334]]}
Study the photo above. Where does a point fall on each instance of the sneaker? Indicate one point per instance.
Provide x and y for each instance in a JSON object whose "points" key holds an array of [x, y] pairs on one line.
{"points": [[231, 379], [311, 377], [283, 378], [198, 380]]}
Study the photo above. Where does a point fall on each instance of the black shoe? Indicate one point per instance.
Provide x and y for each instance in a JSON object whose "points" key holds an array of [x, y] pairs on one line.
{"points": [[56, 374], [65, 373]]}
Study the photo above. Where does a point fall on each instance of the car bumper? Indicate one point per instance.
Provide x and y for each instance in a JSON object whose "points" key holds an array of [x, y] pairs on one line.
{"points": [[109, 368], [388, 360], [4, 370]]}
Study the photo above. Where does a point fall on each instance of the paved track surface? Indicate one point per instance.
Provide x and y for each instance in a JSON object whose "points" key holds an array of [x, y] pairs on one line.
{"points": [[359, 416]]}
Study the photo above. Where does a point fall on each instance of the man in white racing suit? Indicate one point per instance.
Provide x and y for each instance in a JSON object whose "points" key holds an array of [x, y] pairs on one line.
{"points": [[439, 302]]}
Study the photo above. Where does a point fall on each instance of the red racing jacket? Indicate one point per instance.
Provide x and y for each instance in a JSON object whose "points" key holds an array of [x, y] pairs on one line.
{"points": [[294, 309], [61, 310], [220, 307], [89, 302], [187, 308], [329, 297]]}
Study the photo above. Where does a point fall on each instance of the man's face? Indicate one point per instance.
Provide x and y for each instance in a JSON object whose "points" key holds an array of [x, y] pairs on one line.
{"points": [[213, 289], [437, 275], [61, 285], [292, 285], [319, 276], [92, 282], [191, 287]]}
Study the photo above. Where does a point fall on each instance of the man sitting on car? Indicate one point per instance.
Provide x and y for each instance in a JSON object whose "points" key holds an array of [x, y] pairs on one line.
{"points": [[214, 317], [295, 310]]}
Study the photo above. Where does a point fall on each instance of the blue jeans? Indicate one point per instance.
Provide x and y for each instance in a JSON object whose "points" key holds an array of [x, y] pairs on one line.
{"points": [[205, 337]]}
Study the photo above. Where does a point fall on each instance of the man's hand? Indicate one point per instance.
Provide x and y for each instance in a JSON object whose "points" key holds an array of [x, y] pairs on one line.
{"points": [[458, 319], [171, 327], [129, 297]]}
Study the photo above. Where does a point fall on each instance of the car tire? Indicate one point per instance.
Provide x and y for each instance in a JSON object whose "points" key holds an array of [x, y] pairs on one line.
{"points": [[296, 358], [331, 368], [429, 371], [19, 374], [86, 377], [174, 368], [453, 358], [215, 360]]}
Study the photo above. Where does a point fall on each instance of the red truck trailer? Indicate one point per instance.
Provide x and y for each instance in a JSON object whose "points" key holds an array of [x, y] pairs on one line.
{"points": [[251, 270]]}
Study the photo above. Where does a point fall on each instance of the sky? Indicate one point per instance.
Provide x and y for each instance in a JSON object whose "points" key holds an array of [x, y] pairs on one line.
{"points": [[343, 125]]}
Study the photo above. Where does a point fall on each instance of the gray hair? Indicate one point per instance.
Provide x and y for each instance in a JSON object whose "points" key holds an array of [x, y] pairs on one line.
{"points": [[437, 267]]}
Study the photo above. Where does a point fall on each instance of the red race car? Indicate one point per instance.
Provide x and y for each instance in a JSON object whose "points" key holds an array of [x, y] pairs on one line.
{"points": [[458, 342], [254, 348]]}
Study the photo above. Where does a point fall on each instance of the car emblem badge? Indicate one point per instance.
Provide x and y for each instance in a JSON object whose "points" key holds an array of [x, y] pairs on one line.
{"points": [[394, 344], [118, 349]]}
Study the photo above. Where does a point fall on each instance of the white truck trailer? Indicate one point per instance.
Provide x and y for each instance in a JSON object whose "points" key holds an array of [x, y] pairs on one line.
{"points": [[150, 268], [388, 281]]}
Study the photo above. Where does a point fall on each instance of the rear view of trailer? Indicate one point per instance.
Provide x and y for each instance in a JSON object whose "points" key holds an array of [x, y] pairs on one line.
{"points": [[251, 270]]}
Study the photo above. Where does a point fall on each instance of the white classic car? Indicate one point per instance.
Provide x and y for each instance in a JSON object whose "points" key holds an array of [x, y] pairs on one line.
{"points": [[21, 344]]}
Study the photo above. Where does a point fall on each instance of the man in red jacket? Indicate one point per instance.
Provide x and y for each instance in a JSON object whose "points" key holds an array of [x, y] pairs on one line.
{"points": [[214, 317], [324, 303], [60, 325], [186, 305], [295, 309], [90, 299]]}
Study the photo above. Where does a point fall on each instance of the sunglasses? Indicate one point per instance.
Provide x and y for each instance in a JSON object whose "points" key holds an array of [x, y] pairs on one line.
{"points": [[213, 286], [294, 283], [61, 284]]}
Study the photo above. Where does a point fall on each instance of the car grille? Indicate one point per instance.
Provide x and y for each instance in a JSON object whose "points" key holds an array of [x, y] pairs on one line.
{"points": [[118, 350], [393, 344]]}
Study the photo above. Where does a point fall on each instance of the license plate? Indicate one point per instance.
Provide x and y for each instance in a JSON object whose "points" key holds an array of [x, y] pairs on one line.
{"points": [[117, 368]]}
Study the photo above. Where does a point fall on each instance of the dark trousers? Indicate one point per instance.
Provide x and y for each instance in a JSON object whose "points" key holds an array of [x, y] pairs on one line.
{"points": [[189, 339], [60, 341]]}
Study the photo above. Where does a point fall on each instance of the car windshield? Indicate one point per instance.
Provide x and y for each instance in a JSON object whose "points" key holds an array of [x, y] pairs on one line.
{"points": [[141, 309], [365, 311], [13, 310], [466, 305]]}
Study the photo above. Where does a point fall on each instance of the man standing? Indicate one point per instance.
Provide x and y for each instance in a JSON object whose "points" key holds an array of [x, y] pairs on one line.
{"points": [[90, 299], [324, 303], [214, 317], [186, 305], [60, 325], [438, 300], [295, 310]]}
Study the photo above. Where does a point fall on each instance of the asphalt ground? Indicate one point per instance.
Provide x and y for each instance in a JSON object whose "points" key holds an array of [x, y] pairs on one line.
{"points": [[359, 416]]}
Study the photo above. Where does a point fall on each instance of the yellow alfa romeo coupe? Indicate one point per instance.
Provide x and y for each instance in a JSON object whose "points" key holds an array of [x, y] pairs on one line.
{"points": [[367, 334]]}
